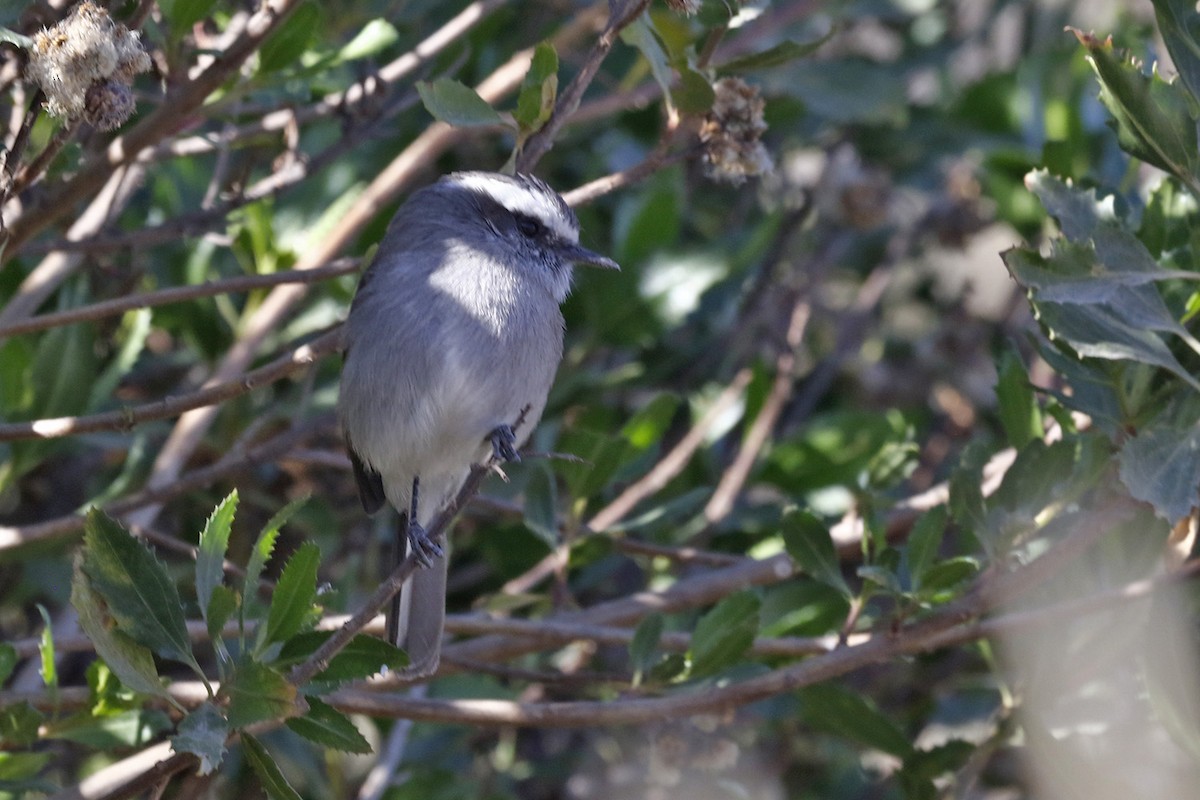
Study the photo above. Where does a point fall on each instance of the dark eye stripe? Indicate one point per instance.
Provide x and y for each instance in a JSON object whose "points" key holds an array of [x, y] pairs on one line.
{"points": [[528, 226]]}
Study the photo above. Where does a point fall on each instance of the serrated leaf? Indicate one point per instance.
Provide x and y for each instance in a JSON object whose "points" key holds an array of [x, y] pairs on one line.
{"points": [[1161, 466], [1019, 413], [268, 771], [724, 634], [363, 657], [264, 545], [810, 545], [783, 53], [210, 558], [924, 542], [131, 662], [457, 104], [328, 727], [539, 88], [1097, 332], [203, 733], [839, 711], [1152, 117], [644, 645], [541, 504], [292, 602], [257, 693], [285, 46], [376, 36], [136, 588], [8, 660], [19, 724]]}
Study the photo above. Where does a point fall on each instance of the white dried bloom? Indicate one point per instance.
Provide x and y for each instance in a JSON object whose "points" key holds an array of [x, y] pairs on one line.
{"points": [[732, 133], [85, 65]]}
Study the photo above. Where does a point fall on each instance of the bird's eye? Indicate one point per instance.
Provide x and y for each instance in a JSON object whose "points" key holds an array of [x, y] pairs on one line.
{"points": [[528, 226]]}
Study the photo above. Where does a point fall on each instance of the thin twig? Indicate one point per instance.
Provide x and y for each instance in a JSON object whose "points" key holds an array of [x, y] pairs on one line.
{"points": [[178, 294], [295, 360]]}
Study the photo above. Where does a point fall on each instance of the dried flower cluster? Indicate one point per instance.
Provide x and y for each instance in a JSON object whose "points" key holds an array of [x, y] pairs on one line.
{"points": [[85, 66], [732, 133]]}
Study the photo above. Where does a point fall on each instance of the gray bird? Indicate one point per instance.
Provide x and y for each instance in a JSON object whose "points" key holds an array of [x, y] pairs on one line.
{"points": [[454, 332]]}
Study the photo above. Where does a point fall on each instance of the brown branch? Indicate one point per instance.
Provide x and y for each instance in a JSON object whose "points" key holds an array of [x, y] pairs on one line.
{"points": [[623, 13], [178, 294], [297, 359], [233, 463]]}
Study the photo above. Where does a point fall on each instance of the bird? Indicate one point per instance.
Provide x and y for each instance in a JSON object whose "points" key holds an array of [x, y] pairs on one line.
{"points": [[452, 343]]}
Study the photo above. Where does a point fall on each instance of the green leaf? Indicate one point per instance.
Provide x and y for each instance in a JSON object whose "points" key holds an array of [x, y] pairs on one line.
{"points": [[328, 727], [539, 89], [363, 657], [65, 361], [135, 727], [541, 504], [8, 660], [293, 601], [1161, 466], [202, 733], [831, 708], [210, 559], [809, 544], [724, 634], [1018, 409], [649, 424], [783, 53], [284, 47], [457, 104], [601, 455], [1098, 332], [221, 606], [375, 37], [924, 542], [19, 724], [257, 693], [136, 588], [1153, 118], [46, 651], [948, 574], [131, 662], [640, 34], [1178, 23], [268, 771], [181, 15], [19, 766], [644, 645], [966, 497], [693, 94]]}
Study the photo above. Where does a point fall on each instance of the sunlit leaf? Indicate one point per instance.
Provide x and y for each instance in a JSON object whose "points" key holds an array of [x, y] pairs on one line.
{"points": [[328, 727]]}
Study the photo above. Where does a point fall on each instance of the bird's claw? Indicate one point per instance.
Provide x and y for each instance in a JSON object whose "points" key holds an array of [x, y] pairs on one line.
{"points": [[422, 545], [504, 444]]}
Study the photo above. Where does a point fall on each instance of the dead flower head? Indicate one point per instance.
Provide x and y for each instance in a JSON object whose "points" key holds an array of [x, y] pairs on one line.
{"points": [[85, 66], [732, 133]]}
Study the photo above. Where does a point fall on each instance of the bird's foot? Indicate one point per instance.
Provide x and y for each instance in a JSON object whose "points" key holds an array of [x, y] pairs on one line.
{"points": [[504, 444], [422, 545]]}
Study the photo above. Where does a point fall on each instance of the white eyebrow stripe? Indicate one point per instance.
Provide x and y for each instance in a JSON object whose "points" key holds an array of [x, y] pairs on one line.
{"points": [[523, 200]]}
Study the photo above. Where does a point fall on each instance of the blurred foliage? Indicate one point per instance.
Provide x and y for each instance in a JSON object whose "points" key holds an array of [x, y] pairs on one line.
{"points": [[912, 141]]}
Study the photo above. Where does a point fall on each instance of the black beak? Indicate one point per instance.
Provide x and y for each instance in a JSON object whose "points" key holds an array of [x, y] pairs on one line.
{"points": [[578, 254]]}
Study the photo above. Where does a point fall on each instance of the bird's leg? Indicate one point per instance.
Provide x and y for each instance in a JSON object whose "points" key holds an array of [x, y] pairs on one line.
{"points": [[504, 444], [423, 548]]}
